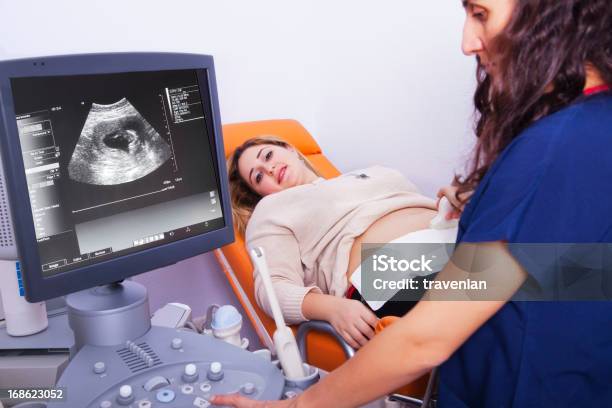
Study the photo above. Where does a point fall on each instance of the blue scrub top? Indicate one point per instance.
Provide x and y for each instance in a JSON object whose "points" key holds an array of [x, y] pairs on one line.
{"points": [[552, 184]]}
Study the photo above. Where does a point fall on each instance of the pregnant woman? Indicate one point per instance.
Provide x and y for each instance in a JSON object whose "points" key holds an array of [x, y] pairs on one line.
{"points": [[312, 230]]}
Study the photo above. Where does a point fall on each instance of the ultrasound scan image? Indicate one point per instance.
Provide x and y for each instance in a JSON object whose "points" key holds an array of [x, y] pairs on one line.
{"points": [[117, 145]]}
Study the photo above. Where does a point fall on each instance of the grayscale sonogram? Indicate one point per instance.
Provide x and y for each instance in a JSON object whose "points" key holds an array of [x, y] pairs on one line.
{"points": [[117, 145]]}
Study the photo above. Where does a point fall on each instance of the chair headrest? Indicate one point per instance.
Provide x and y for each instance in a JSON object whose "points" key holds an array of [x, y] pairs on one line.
{"points": [[289, 130]]}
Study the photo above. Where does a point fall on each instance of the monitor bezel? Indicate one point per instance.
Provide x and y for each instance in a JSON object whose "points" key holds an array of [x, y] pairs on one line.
{"points": [[39, 288]]}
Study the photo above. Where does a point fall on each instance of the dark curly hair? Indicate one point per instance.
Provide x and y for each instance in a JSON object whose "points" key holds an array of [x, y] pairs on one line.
{"points": [[541, 60]]}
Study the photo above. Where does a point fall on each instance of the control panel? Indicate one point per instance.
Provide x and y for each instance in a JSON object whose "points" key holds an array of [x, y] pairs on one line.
{"points": [[167, 367]]}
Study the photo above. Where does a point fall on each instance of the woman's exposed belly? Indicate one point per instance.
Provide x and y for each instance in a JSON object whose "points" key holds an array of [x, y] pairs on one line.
{"points": [[388, 228]]}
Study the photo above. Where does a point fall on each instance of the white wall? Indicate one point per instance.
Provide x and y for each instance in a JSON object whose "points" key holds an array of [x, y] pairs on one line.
{"points": [[395, 87], [374, 81]]}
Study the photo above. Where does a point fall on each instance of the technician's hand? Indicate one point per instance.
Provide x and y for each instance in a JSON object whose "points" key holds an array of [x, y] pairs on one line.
{"points": [[450, 192], [238, 401], [353, 321]]}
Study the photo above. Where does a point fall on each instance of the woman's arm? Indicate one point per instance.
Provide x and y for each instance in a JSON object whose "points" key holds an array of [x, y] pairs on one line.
{"points": [[350, 318], [286, 272], [419, 341]]}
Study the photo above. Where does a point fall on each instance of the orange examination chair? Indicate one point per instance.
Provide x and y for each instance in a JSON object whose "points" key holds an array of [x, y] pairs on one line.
{"points": [[319, 343]]}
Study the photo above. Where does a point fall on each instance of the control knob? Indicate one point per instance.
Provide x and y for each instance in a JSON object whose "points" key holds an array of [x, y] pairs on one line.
{"points": [[99, 367], [248, 388], [215, 371], [126, 395], [176, 343], [190, 373], [155, 383]]}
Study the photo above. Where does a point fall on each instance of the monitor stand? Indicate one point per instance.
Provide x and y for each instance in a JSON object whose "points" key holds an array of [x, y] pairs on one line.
{"points": [[109, 315]]}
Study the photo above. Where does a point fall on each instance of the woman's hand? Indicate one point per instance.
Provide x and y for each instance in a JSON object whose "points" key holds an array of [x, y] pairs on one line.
{"points": [[353, 321], [450, 192], [238, 401]]}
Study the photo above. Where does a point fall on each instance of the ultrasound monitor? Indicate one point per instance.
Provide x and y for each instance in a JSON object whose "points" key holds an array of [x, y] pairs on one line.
{"points": [[113, 165]]}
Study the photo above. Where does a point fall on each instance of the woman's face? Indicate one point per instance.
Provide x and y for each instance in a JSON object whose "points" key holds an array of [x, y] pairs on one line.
{"points": [[269, 168], [483, 21]]}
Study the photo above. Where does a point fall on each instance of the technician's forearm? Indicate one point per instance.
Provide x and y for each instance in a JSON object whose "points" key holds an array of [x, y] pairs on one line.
{"points": [[425, 337], [386, 363]]}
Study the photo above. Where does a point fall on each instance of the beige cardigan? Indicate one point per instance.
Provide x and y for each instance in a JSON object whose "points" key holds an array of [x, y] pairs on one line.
{"points": [[307, 231]]}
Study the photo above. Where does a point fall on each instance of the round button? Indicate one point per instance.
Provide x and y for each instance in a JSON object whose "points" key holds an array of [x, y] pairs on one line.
{"points": [[190, 373], [215, 371], [290, 394], [176, 343], [126, 395], [191, 369], [125, 391], [165, 396], [248, 388], [216, 367], [99, 367], [106, 404]]}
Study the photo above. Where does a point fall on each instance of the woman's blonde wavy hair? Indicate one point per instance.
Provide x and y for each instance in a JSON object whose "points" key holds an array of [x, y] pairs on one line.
{"points": [[243, 198]]}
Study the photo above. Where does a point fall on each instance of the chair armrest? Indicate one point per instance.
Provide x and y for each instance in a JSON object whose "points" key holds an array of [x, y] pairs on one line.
{"points": [[324, 327]]}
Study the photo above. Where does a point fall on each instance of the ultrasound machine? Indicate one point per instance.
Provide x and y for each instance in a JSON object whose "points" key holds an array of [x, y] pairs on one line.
{"points": [[113, 165]]}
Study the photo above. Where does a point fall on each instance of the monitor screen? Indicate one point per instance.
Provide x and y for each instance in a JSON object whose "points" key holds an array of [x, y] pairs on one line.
{"points": [[116, 163]]}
